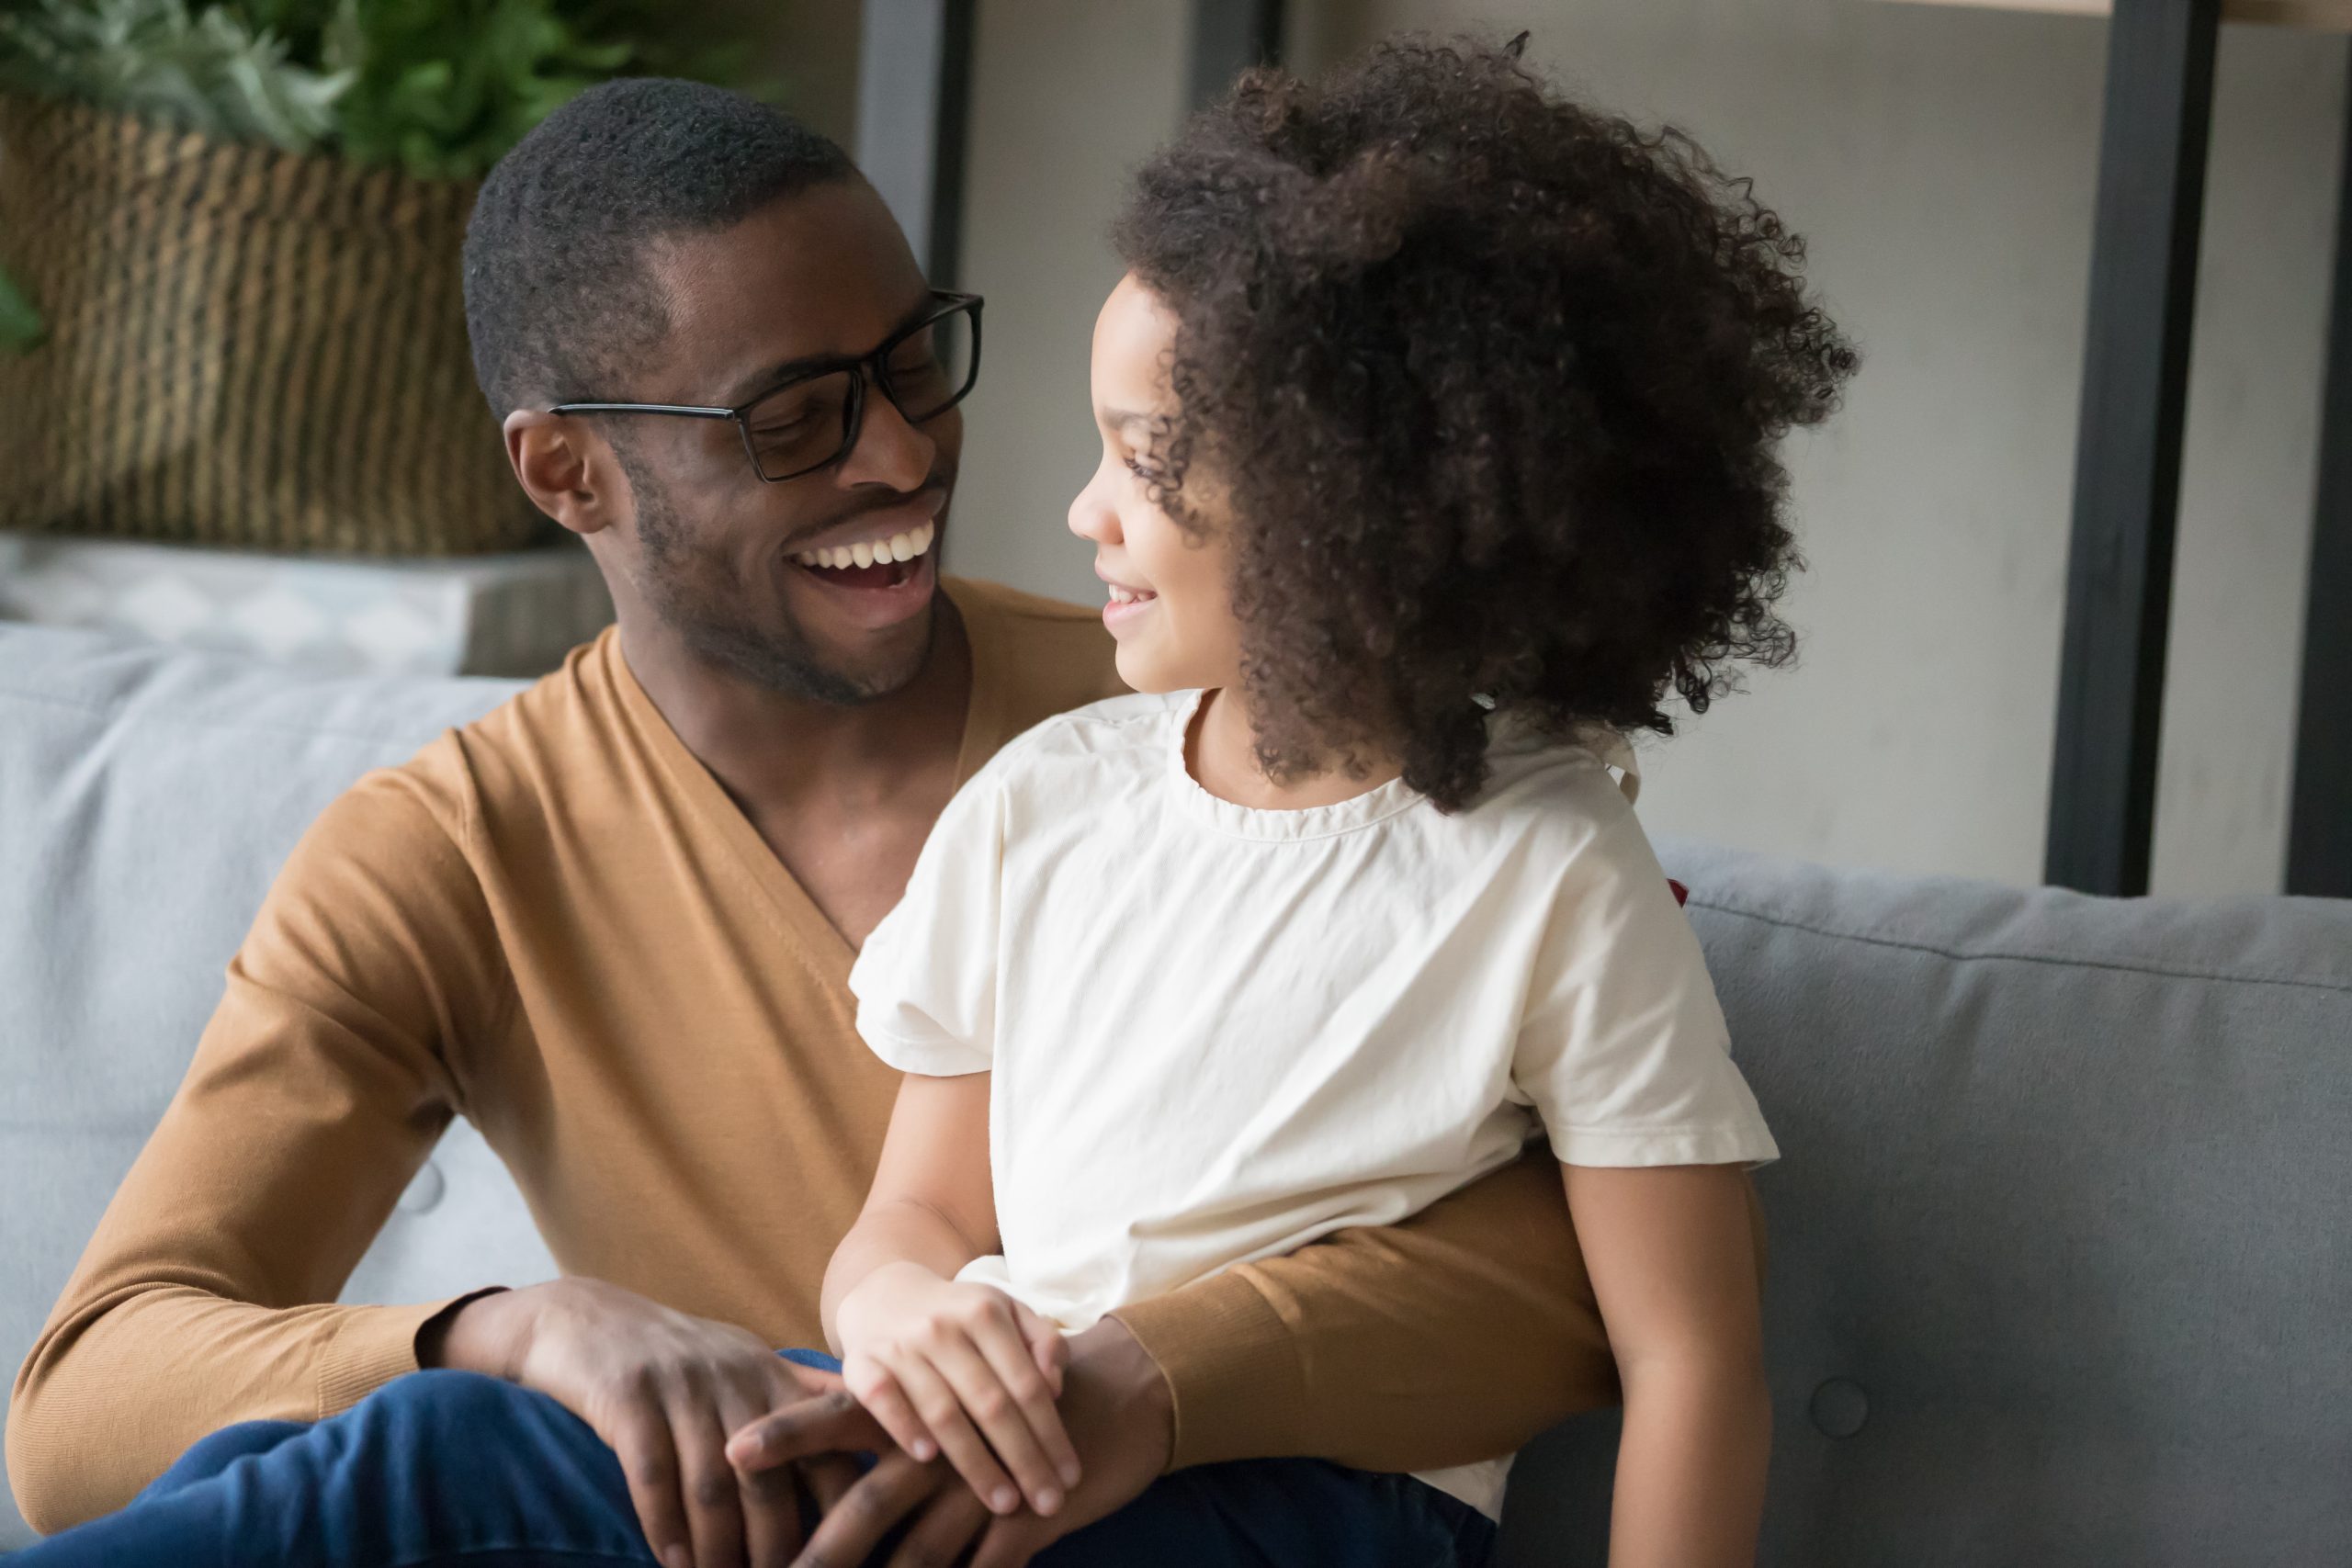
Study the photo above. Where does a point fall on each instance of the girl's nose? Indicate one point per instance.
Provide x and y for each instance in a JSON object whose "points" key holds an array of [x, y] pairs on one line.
{"points": [[1092, 518]]}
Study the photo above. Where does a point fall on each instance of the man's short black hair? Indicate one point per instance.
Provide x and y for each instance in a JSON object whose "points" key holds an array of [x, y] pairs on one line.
{"points": [[558, 298]]}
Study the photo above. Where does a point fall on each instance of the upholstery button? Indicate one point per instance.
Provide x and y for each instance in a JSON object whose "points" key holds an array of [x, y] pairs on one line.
{"points": [[424, 1193], [1839, 1408]]}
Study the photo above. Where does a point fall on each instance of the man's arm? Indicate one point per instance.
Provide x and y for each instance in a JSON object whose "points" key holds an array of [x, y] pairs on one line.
{"points": [[1454, 1337], [205, 1297]]}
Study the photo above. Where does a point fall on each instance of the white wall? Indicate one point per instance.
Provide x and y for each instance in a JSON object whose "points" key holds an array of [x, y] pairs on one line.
{"points": [[1068, 96], [1943, 165]]}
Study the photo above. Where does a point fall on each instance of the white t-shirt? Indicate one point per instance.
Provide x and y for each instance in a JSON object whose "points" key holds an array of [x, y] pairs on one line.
{"points": [[1219, 1033]]}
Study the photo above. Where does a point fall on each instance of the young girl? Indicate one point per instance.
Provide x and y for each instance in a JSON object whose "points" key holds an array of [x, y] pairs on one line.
{"points": [[1438, 420]]}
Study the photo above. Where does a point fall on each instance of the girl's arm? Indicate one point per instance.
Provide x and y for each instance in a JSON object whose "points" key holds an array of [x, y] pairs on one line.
{"points": [[1673, 1265], [933, 1200], [929, 1356]]}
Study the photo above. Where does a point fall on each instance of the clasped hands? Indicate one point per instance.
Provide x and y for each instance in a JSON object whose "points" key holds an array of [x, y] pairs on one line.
{"points": [[727, 1449]]}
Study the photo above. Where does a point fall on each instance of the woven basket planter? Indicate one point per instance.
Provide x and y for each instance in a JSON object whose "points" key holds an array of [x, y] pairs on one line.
{"points": [[246, 347]]}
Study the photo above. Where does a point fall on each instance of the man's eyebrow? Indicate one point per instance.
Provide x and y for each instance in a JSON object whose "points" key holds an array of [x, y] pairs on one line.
{"points": [[751, 387], [765, 380]]}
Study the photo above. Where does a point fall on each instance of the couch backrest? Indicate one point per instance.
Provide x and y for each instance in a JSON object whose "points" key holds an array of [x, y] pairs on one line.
{"points": [[147, 797], [2061, 1238]]}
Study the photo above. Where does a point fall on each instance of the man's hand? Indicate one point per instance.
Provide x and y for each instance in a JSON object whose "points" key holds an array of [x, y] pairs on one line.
{"points": [[663, 1390], [1115, 1405]]}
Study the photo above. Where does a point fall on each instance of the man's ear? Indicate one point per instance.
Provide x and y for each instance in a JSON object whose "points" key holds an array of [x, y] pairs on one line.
{"points": [[568, 472]]}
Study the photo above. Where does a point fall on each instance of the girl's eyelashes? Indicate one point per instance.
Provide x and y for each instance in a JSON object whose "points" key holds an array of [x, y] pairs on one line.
{"points": [[1143, 467]]}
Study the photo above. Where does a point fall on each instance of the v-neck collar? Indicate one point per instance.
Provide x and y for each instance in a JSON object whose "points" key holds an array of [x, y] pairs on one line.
{"points": [[819, 939]]}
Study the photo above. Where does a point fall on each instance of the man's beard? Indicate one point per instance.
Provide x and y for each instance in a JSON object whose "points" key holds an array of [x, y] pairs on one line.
{"points": [[698, 594]]}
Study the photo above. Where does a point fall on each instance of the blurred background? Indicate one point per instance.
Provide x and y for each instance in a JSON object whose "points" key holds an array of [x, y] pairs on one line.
{"points": [[1943, 163]]}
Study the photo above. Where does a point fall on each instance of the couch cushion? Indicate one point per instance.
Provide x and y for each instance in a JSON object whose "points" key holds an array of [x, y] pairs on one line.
{"points": [[147, 797], [2062, 1245]]}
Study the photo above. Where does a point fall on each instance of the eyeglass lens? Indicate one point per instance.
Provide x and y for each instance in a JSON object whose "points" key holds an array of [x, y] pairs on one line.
{"points": [[807, 424]]}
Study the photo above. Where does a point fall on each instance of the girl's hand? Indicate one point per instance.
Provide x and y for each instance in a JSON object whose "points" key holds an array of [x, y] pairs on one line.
{"points": [[933, 1361]]}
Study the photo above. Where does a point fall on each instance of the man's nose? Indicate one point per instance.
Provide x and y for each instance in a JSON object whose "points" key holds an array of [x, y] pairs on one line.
{"points": [[890, 450]]}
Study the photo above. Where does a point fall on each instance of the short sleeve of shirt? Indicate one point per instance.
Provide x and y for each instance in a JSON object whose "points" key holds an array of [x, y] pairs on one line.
{"points": [[1623, 1050], [925, 981]]}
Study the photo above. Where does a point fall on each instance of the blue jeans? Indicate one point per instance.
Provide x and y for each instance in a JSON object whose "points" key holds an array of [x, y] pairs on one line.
{"points": [[442, 1468]]}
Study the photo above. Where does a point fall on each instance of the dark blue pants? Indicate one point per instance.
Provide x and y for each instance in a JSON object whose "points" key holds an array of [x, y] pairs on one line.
{"points": [[443, 1468]]}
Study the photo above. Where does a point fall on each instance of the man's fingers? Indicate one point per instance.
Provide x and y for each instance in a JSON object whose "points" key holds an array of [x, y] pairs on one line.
{"points": [[832, 1422], [770, 1498], [1010, 1543], [771, 1515], [952, 1523], [999, 1388], [858, 1520], [943, 1413], [828, 1479], [791, 1382], [714, 1497], [649, 1462]]}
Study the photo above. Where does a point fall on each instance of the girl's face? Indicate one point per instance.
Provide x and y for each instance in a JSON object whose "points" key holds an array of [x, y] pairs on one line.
{"points": [[1170, 606]]}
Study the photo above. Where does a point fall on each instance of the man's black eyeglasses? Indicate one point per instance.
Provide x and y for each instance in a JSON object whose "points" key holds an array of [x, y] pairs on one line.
{"points": [[811, 420]]}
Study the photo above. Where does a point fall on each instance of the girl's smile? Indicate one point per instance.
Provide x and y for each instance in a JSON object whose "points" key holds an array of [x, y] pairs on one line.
{"points": [[1127, 604], [1169, 601]]}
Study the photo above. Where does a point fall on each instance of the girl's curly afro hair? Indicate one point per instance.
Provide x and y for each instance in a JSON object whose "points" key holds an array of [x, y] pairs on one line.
{"points": [[1488, 385]]}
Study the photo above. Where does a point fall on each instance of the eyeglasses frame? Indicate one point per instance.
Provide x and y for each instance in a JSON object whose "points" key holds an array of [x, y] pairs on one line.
{"points": [[873, 368]]}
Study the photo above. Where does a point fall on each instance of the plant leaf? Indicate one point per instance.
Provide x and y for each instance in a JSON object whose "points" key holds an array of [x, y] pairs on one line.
{"points": [[439, 87], [21, 327], [207, 68]]}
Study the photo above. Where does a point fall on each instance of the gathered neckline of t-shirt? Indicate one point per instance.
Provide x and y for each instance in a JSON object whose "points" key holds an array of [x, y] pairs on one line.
{"points": [[1295, 825]]}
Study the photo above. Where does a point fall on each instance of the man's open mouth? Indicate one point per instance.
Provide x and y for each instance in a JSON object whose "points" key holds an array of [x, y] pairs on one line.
{"points": [[871, 563]]}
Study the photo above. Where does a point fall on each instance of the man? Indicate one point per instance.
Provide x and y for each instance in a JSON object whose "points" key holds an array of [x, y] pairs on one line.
{"points": [[612, 924]]}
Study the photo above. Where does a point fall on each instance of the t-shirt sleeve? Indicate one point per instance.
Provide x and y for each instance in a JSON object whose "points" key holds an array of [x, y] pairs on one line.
{"points": [[925, 981], [1623, 1050]]}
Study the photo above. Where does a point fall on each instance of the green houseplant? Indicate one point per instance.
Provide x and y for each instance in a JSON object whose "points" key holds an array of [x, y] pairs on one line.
{"points": [[438, 87], [303, 141]]}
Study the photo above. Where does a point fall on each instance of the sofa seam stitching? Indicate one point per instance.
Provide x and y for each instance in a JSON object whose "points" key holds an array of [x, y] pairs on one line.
{"points": [[1958, 955]]}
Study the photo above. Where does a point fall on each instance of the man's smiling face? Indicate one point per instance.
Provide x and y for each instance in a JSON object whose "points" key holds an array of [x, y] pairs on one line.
{"points": [[824, 273]]}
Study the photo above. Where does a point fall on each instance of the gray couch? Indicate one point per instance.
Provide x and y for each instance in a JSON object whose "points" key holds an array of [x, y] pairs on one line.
{"points": [[2062, 1241]]}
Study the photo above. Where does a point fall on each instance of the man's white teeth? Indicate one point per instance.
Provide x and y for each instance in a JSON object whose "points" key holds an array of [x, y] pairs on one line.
{"points": [[870, 552], [1128, 596]]}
